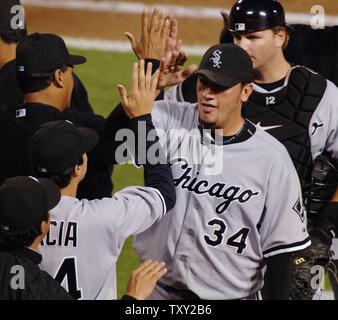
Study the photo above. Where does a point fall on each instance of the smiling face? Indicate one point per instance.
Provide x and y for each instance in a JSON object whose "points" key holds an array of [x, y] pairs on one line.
{"points": [[220, 107]]}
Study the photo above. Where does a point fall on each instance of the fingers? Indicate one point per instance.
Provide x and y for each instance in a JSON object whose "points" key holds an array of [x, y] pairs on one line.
{"points": [[178, 44], [173, 28], [144, 28], [182, 58], [151, 270], [189, 70], [143, 265], [131, 39], [226, 19], [148, 75], [160, 274], [134, 78], [161, 20], [165, 30], [123, 94], [141, 75], [154, 81], [154, 21]]}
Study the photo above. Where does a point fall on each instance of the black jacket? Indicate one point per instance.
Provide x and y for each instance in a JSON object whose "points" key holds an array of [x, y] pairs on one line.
{"points": [[17, 125], [38, 284]]}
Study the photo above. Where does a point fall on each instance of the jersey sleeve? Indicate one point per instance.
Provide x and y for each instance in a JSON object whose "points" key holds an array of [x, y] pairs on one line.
{"points": [[163, 116], [131, 211], [283, 224], [323, 129]]}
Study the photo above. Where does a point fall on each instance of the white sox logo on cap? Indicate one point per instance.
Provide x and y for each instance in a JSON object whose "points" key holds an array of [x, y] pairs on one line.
{"points": [[216, 59]]}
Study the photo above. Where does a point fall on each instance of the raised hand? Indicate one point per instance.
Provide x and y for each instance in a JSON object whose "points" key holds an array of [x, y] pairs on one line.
{"points": [[154, 35], [143, 280], [142, 93], [172, 72], [226, 19]]}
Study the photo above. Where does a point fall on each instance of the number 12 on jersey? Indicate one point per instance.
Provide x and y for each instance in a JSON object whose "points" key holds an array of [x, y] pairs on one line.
{"points": [[237, 240]]}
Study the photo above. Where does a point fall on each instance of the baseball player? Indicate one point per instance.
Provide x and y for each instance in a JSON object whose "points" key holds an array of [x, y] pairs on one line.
{"points": [[47, 82], [86, 237], [13, 29], [232, 216], [299, 108], [24, 221]]}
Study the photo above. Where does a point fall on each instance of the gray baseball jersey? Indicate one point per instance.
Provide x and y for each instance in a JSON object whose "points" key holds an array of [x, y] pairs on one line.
{"points": [[237, 203], [86, 238], [323, 127]]}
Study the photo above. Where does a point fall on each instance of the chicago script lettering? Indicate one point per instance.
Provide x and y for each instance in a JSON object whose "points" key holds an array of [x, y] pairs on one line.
{"points": [[218, 190]]}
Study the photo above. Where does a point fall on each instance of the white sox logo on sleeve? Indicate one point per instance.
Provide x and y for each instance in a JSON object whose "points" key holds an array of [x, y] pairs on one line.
{"points": [[229, 193]]}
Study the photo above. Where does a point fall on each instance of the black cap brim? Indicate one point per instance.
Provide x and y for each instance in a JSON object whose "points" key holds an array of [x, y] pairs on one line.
{"points": [[90, 138], [52, 192], [222, 80], [74, 59]]}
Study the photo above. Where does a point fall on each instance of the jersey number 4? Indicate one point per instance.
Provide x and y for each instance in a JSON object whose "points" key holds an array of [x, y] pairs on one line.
{"points": [[68, 270], [237, 240]]}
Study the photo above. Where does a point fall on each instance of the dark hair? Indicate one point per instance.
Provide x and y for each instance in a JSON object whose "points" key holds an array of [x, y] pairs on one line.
{"points": [[37, 81], [10, 240], [244, 83], [62, 180], [13, 36]]}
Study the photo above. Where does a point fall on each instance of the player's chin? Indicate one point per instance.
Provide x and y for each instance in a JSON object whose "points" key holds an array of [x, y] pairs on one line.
{"points": [[208, 123]]}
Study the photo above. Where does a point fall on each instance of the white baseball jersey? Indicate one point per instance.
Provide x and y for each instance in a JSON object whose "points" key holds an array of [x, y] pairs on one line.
{"points": [[86, 238], [237, 204]]}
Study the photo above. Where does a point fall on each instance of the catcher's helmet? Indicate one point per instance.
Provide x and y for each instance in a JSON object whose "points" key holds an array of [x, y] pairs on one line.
{"points": [[256, 15]]}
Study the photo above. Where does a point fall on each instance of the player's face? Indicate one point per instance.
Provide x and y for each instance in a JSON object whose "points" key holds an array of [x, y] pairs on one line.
{"points": [[220, 107], [262, 46]]}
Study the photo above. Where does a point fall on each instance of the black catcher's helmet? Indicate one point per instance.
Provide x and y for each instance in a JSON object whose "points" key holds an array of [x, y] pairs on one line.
{"points": [[256, 15]]}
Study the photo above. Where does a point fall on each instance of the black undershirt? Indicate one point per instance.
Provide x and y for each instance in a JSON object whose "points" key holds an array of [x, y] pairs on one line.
{"points": [[271, 86]]}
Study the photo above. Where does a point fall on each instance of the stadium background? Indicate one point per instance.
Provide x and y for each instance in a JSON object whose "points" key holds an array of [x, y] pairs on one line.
{"points": [[94, 28]]}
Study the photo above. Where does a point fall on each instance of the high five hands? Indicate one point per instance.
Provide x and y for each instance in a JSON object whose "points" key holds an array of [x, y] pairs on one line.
{"points": [[158, 41]]}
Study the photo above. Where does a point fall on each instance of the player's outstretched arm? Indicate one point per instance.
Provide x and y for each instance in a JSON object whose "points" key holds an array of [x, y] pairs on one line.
{"points": [[143, 280], [138, 107]]}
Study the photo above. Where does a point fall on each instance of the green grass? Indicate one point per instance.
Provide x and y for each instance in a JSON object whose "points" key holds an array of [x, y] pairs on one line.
{"points": [[101, 74]]}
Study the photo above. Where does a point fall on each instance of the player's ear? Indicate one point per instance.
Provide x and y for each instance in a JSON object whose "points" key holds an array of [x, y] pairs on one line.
{"points": [[80, 168], [45, 225], [280, 37], [59, 78], [246, 92]]}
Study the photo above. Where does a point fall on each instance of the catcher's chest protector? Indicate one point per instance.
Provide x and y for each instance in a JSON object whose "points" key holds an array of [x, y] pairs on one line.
{"points": [[286, 115]]}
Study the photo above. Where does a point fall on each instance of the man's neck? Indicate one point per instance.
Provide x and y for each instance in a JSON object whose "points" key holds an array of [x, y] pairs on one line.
{"points": [[44, 97], [71, 189], [272, 71], [8, 53]]}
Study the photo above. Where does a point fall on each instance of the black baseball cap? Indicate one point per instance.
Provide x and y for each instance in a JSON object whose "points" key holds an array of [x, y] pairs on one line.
{"points": [[226, 65], [25, 201], [59, 145], [38, 53], [9, 12]]}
